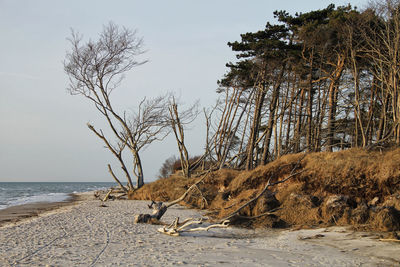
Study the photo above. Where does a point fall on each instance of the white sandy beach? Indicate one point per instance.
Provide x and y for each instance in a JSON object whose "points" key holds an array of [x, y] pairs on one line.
{"points": [[86, 234]]}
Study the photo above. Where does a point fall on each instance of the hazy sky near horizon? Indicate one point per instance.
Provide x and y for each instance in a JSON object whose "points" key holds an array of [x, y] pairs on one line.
{"points": [[43, 134]]}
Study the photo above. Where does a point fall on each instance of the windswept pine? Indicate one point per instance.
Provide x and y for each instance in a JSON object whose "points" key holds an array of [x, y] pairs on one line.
{"points": [[324, 80]]}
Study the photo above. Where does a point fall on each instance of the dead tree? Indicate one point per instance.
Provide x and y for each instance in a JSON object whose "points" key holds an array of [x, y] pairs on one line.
{"points": [[95, 69], [177, 121], [382, 48], [147, 125], [226, 133]]}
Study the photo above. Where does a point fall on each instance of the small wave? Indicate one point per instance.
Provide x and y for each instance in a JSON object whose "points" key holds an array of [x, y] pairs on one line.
{"points": [[51, 197], [12, 194]]}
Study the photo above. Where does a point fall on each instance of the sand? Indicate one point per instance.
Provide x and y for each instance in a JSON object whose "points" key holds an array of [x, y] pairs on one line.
{"points": [[17, 213], [86, 234]]}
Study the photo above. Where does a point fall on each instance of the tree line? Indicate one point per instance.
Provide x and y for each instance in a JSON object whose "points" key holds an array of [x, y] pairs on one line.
{"points": [[324, 80]]}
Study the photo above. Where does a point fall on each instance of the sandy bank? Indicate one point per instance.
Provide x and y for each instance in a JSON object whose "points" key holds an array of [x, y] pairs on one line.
{"points": [[87, 234]]}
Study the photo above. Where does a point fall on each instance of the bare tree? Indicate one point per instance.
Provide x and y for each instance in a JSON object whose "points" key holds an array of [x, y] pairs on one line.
{"points": [[146, 125], [177, 121], [382, 39], [95, 69]]}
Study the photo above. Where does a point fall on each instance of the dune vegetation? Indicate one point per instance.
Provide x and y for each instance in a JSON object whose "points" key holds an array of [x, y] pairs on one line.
{"points": [[351, 187]]}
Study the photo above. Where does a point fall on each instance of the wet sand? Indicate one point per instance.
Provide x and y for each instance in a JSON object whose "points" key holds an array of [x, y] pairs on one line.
{"points": [[87, 234], [17, 213]]}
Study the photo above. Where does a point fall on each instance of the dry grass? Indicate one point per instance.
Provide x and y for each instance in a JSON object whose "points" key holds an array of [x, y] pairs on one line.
{"points": [[163, 189], [354, 172], [354, 177]]}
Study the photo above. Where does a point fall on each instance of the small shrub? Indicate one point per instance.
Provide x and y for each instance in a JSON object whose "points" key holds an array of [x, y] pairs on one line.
{"points": [[167, 167]]}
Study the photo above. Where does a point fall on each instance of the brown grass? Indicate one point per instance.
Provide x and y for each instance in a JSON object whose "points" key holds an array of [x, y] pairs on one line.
{"points": [[354, 172], [353, 177]]}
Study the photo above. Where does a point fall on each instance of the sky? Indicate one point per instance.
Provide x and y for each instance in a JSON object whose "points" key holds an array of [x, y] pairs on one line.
{"points": [[43, 132]]}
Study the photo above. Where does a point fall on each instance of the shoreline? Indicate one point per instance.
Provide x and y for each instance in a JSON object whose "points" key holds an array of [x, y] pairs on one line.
{"points": [[89, 234], [15, 214]]}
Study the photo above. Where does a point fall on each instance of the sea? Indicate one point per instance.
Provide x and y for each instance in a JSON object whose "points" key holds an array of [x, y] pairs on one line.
{"points": [[19, 193]]}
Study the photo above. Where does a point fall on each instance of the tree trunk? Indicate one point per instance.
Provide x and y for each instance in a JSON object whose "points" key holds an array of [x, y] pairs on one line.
{"points": [[271, 124], [333, 94], [255, 127], [297, 134], [138, 170]]}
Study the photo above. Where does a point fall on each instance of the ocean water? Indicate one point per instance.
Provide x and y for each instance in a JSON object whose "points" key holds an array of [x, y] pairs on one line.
{"points": [[13, 194]]}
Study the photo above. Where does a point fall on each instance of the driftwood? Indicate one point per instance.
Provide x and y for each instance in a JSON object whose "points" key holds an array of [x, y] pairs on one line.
{"points": [[160, 208], [112, 193], [175, 228], [121, 196], [158, 211], [389, 240], [108, 194]]}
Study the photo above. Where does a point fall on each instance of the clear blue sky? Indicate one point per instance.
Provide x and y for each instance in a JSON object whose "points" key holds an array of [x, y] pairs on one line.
{"points": [[43, 134]]}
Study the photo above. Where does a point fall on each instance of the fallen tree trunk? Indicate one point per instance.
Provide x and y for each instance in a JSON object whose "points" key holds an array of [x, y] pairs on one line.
{"points": [[174, 229], [158, 211]]}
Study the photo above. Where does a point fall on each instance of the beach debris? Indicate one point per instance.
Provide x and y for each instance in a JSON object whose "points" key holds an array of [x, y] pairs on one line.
{"points": [[158, 211], [389, 240], [159, 208], [108, 194], [111, 194], [175, 228]]}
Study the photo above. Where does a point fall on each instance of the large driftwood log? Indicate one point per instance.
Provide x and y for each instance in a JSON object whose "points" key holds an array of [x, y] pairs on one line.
{"points": [[175, 228], [112, 193], [158, 211]]}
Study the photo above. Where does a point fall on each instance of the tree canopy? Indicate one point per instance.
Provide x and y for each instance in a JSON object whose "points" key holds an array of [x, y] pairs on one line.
{"points": [[323, 80]]}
